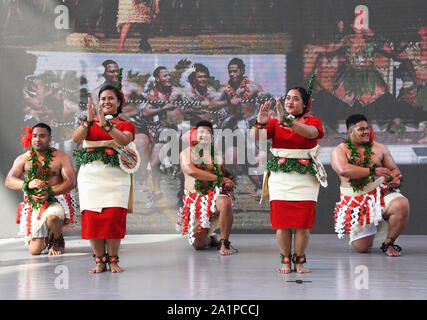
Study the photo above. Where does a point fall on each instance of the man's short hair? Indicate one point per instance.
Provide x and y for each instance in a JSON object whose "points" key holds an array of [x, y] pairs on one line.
{"points": [[198, 67], [156, 71], [354, 119], [107, 62], [204, 123], [45, 126], [237, 61]]}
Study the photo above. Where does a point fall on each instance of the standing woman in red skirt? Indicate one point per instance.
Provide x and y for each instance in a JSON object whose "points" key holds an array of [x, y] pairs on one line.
{"points": [[293, 175], [104, 188]]}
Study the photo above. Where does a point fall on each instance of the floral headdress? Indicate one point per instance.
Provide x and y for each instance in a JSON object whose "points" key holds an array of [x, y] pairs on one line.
{"points": [[310, 91], [26, 138]]}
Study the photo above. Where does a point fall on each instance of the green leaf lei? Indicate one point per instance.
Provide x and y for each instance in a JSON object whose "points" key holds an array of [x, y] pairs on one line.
{"points": [[281, 164], [87, 155], [32, 174], [359, 184], [200, 187]]}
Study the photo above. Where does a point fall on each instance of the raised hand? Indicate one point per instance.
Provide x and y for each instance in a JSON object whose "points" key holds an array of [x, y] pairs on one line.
{"points": [[90, 110], [101, 114], [279, 108], [263, 112]]}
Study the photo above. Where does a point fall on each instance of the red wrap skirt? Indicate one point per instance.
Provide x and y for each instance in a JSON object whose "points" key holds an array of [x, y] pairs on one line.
{"points": [[108, 224], [292, 214]]}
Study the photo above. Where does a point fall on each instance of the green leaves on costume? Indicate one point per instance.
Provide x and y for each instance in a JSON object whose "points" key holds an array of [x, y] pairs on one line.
{"points": [[34, 172], [104, 154], [359, 184], [286, 165]]}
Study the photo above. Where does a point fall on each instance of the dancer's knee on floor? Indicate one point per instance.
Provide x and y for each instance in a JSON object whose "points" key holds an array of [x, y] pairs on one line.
{"points": [[362, 245]]}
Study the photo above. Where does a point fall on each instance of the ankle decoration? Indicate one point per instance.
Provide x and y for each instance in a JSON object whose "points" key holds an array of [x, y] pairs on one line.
{"points": [[299, 259], [101, 259], [227, 245], [385, 246], [285, 259], [113, 259], [225, 242]]}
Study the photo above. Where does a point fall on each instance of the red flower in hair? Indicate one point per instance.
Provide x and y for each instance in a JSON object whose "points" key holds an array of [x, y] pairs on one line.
{"points": [[26, 138], [192, 136], [371, 136]]}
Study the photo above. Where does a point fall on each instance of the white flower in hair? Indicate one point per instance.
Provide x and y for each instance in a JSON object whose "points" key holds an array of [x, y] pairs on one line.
{"points": [[184, 77], [99, 72], [151, 82]]}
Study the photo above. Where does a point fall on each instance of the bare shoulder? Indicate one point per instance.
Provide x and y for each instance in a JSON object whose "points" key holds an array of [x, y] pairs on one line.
{"points": [[60, 155], [185, 154], [339, 148], [379, 145], [380, 148], [22, 158]]}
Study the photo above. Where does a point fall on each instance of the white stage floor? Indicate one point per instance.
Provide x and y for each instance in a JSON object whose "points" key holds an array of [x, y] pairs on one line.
{"points": [[165, 267]]}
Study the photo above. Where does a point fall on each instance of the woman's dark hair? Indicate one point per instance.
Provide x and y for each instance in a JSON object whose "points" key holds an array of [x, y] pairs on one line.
{"points": [[116, 92], [304, 95]]}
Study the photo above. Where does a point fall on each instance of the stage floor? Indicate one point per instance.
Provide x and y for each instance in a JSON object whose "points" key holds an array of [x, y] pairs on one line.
{"points": [[165, 267]]}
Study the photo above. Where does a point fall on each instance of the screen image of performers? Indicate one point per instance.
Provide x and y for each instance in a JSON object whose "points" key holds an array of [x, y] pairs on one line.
{"points": [[242, 114], [205, 102], [161, 114]]}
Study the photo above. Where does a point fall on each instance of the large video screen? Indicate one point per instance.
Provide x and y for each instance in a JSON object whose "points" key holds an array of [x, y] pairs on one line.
{"points": [[368, 58]]}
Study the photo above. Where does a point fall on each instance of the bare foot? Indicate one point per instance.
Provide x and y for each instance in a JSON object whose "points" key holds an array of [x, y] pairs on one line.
{"points": [[224, 248], [114, 268], [100, 267], [285, 269], [224, 251], [392, 253], [53, 252], [58, 246], [299, 268], [391, 249]]}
